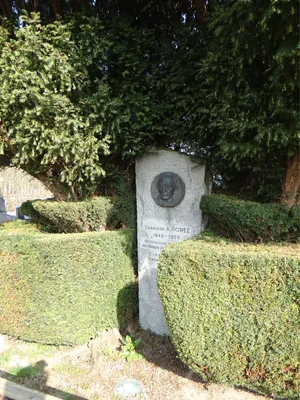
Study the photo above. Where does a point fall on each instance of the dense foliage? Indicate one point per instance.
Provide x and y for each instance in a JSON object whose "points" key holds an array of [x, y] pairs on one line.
{"points": [[251, 222], [253, 70], [251, 74], [230, 92], [63, 289], [153, 13], [59, 114], [84, 90], [233, 312]]}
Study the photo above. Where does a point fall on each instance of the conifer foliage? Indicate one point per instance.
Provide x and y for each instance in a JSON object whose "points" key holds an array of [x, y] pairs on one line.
{"points": [[60, 115], [87, 84], [56, 120], [250, 82]]}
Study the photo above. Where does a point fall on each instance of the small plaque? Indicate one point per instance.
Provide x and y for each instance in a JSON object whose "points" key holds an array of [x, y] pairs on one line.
{"points": [[167, 189]]}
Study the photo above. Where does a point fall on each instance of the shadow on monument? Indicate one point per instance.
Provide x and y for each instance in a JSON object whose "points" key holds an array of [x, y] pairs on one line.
{"points": [[35, 372]]}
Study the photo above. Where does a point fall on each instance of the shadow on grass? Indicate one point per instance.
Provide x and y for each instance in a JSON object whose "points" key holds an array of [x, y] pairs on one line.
{"points": [[37, 372]]}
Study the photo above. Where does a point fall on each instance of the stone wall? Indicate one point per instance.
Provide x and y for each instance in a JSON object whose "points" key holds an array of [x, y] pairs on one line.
{"points": [[16, 186]]}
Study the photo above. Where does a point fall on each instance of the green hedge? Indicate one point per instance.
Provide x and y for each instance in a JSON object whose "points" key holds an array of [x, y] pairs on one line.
{"points": [[63, 289], [250, 221], [233, 312], [95, 214]]}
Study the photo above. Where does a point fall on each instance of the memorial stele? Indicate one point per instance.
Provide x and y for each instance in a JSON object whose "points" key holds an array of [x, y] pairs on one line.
{"points": [[169, 186]]}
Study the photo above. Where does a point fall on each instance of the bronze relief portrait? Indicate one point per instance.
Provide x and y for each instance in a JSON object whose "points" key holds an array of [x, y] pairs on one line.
{"points": [[167, 189]]}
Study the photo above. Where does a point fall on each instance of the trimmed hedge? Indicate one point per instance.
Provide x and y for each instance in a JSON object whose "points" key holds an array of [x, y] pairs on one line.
{"points": [[95, 214], [233, 312], [63, 289], [250, 221]]}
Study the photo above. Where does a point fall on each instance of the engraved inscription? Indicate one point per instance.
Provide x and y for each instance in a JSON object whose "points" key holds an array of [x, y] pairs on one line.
{"points": [[159, 236]]}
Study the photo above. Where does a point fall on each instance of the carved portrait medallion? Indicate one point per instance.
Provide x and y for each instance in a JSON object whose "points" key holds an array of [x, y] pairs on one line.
{"points": [[167, 189]]}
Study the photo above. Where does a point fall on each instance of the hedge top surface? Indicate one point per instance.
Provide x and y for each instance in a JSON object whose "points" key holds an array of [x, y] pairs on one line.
{"points": [[18, 226], [29, 229], [209, 240], [248, 221]]}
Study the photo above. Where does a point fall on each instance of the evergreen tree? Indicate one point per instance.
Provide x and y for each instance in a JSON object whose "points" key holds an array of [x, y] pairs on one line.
{"points": [[250, 82], [92, 83]]}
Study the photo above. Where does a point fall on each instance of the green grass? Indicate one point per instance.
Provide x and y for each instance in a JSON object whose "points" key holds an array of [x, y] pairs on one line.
{"points": [[68, 369], [33, 352], [30, 371], [5, 357]]}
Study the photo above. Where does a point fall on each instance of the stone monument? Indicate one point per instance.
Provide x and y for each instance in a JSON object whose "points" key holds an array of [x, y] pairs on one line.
{"points": [[169, 186], [17, 186], [2, 206]]}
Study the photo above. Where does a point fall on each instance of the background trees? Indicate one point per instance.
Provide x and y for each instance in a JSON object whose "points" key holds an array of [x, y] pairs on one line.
{"points": [[95, 83], [72, 99], [250, 79], [57, 119]]}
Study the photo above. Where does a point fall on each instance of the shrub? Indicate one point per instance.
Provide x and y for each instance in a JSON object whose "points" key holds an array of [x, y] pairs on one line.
{"points": [[123, 212], [233, 312], [250, 221], [63, 289], [95, 214]]}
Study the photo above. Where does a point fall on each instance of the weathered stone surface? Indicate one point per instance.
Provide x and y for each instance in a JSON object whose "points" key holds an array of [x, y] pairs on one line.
{"points": [[4, 217], [129, 389], [16, 186], [2, 206], [174, 217], [111, 338]]}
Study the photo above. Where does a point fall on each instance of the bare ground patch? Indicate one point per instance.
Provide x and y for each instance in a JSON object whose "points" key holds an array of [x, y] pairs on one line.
{"points": [[82, 373]]}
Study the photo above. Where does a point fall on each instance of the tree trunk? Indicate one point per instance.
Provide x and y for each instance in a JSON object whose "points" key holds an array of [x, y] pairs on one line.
{"points": [[200, 6], [6, 8], [59, 191], [55, 5], [291, 184]]}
